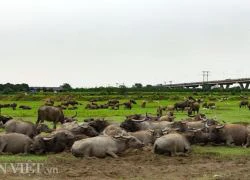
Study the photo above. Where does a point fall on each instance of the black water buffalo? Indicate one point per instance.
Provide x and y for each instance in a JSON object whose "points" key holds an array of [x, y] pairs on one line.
{"points": [[113, 102], [50, 113], [244, 103], [4, 119], [57, 142], [181, 105], [24, 107], [70, 102], [98, 124], [136, 125]]}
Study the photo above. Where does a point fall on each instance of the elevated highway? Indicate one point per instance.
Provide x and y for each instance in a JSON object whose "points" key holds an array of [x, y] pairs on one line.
{"points": [[224, 84]]}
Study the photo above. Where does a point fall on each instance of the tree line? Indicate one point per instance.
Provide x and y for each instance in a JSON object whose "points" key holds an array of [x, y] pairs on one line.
{"points": [[9, 88]]}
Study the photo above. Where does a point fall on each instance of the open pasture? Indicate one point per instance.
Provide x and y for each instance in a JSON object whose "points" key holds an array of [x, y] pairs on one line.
{"points": [[205, 162]]}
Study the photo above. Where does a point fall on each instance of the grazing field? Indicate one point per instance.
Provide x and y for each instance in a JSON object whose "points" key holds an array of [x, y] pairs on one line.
{"points": [[227, 111], [205, 162]]}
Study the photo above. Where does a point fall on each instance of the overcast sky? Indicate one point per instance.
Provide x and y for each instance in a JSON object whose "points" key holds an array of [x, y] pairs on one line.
{"points": [[103, 42]]}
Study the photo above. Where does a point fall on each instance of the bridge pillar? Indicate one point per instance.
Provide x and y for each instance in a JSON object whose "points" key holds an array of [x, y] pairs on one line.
{"points": [[244, 87], [206, 87], [228, 86], [222, 86], [241, 85]]}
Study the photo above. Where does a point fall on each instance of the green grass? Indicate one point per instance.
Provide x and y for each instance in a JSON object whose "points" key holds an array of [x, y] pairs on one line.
{"points": [[221, 151], [227, 111]]}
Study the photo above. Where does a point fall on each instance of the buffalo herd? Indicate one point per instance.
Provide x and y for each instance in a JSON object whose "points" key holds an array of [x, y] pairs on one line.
{"points": [[162, 133]]}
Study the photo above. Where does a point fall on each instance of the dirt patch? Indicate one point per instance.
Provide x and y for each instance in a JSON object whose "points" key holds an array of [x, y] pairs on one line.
{"points": [[143, 165]]}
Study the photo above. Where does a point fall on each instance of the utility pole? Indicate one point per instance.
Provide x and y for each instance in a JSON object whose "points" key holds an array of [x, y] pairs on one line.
{"points": [[205, 75]]}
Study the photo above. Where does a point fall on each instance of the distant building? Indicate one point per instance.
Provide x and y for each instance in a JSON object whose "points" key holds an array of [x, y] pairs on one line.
{"points": [[49, 89]]}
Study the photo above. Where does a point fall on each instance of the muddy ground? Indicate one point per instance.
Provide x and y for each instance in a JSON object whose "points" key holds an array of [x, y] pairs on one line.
{"points": [[143, 165]]}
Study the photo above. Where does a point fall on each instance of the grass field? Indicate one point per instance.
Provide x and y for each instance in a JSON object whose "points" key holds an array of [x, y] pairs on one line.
{"points": [[227, 111]]}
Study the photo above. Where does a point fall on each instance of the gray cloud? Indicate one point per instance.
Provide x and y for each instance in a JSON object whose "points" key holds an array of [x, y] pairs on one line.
{"points": [[101, 42]]}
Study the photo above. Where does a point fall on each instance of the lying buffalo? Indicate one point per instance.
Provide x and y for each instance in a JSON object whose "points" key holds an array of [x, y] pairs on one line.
{"points": [[50, 113], [25, 107], [98, 124], [15, 143], [103, 146], [82, 129], [136, 125], [230, 134], [57, 142], [4, 119], [114, 130], [172, 144], [22, 127], [148, 137]]}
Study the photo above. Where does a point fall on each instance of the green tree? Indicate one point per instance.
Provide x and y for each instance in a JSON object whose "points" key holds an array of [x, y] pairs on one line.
{"points": [[66, 87]]}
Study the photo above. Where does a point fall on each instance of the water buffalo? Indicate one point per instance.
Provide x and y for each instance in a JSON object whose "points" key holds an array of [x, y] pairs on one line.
{"points": [[172, 144], [49, 102], [24, 107], [50, 113], [43, 128], [136, 125], [15, 143], [70, 102], [181, 105], [230, 134], [22, 127], [197, 136], [91, 106], [82, 129], [4, 119], [143, 104], [244, 103], [148, 137], [57, 142], [102, 146], [169, 117], [114, 130], [98, 124], [113, 102], [194, 108]]}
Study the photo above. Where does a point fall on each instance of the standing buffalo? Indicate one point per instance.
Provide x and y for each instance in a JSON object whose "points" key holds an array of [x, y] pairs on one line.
{"points": [[50, 113], [102, 146], [244, 103], [181, 105], [172, 144], [143, 105]]}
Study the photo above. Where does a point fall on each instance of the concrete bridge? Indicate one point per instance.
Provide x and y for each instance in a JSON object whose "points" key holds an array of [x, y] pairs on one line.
{"points": [[224, 84]]}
